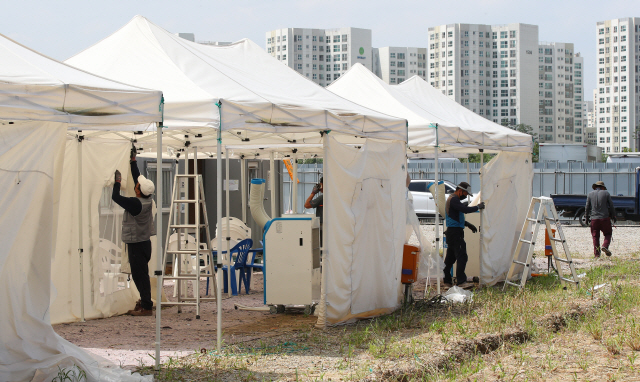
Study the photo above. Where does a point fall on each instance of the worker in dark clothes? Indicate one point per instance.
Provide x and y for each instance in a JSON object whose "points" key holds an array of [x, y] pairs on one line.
{"points": [[315, 200], [137, 228], [457, 248], [600, 209]]}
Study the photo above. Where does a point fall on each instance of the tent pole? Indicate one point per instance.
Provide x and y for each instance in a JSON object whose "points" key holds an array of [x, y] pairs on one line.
{"points": [[219, 226], [197, 218], [437, 213], [272, 184], [294, 185], [226, 163], [243, 184], [481, 228], [159, 252], [324, 266], [80, 239]]}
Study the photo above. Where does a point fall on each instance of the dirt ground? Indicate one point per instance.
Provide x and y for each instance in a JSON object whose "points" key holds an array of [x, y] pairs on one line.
{"points": [[129, 341]]}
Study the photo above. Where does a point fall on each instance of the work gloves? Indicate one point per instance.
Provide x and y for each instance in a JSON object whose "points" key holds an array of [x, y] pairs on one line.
{"points": [[316, 189], [118, 176], [134, 151], [481, 206], [471, 227]]}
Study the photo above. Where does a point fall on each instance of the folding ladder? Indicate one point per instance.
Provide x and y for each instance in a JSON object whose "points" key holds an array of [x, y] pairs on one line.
{"points": [[191, 258], [546, 208]]}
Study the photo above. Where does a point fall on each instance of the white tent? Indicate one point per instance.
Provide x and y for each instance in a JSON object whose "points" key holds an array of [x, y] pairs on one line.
{"points": [[244, 95], [40, 99], [458, 128], [263, 101], [440, 125]]}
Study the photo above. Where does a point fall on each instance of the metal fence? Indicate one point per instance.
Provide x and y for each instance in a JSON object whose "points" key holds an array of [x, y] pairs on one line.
{"points": [[549, 178]]}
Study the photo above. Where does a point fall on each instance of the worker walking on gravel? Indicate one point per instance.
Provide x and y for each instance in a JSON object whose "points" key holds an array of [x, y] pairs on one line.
{"points": [[600, 209], [457, 247]]}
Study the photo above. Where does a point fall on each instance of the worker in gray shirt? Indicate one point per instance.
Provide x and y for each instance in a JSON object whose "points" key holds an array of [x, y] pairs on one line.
{"points": [[600, 209]]}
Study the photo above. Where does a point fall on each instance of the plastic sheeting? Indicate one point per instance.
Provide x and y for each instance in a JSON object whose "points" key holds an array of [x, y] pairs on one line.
{"points": [[106, 290], [506, 192], [365, 219], [31, 156]]}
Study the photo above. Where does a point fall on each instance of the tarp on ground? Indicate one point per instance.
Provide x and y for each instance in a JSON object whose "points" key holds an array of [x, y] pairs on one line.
{"points": [[261, 100], [459, 129], [37, 88]]}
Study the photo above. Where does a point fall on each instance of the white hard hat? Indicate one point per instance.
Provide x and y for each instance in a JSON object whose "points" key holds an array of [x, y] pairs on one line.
{"points": [[146, 186]]}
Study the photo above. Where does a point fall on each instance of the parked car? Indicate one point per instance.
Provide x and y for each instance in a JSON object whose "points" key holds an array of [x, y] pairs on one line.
{"points": [[626, 207], [423, 202]]}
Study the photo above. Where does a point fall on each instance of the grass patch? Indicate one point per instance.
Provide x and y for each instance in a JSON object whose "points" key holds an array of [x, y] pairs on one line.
{"points": [[530, 334]]}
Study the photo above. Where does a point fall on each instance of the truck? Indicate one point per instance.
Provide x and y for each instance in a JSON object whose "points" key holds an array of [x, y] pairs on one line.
{"points": [[627, 207]]}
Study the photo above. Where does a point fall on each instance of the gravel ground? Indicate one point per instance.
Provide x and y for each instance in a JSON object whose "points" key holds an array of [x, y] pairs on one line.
{"points": [[626, 240]]}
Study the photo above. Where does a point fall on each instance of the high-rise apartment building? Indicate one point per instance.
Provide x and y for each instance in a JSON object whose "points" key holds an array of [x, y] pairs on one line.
{"points": [[396, 64], [590, 124], [616, 100], [321, 55], [560, 93], [492, 70]]}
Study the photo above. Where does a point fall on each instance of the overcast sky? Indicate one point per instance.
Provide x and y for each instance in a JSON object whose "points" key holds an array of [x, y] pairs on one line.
{"points": [[61, 29]]}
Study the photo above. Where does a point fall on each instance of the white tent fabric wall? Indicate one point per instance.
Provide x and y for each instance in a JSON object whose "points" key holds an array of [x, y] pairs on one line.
{"points": [[365, 220], [31, 154], [507, 193], [106, 292]]}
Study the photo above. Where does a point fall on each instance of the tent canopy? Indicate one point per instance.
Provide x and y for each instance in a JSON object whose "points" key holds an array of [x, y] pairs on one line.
{"points": [[37, 88], [459, 129], [261, 100]]}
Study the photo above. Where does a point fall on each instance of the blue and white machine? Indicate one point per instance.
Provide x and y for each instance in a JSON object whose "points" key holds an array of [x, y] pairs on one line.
{"points": [[291, 255]]}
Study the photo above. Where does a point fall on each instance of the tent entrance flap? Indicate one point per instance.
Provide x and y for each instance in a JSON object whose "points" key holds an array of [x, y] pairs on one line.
{"points": [[365, 227]]}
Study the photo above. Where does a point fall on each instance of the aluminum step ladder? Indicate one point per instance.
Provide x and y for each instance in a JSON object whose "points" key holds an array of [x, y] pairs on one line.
{"points": [[179, 223], [546, 208]]}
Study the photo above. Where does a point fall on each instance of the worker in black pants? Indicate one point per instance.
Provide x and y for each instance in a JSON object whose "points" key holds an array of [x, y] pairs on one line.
{"points": [[456, 246], [137, 228]]}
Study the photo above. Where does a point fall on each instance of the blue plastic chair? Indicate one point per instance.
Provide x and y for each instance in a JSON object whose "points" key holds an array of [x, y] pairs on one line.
{"points": [[241, 250], [252, 261]]}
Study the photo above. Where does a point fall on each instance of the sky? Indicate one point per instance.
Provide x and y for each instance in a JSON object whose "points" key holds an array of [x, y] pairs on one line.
{"points": [[63, 28]]}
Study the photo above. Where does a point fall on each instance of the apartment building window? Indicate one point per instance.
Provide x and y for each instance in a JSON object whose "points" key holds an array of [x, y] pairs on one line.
{"points": [[336, 67], [345, 66], [299, 66], [401, 64], [336, 48], [336, 57], [336, 75], [344, 47], [344, 57], [503, 44], [336, 38], [315, 48], [284, 57], [393, 73], [400, 56], [344, 38], [503, 34], [315, 57]]}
